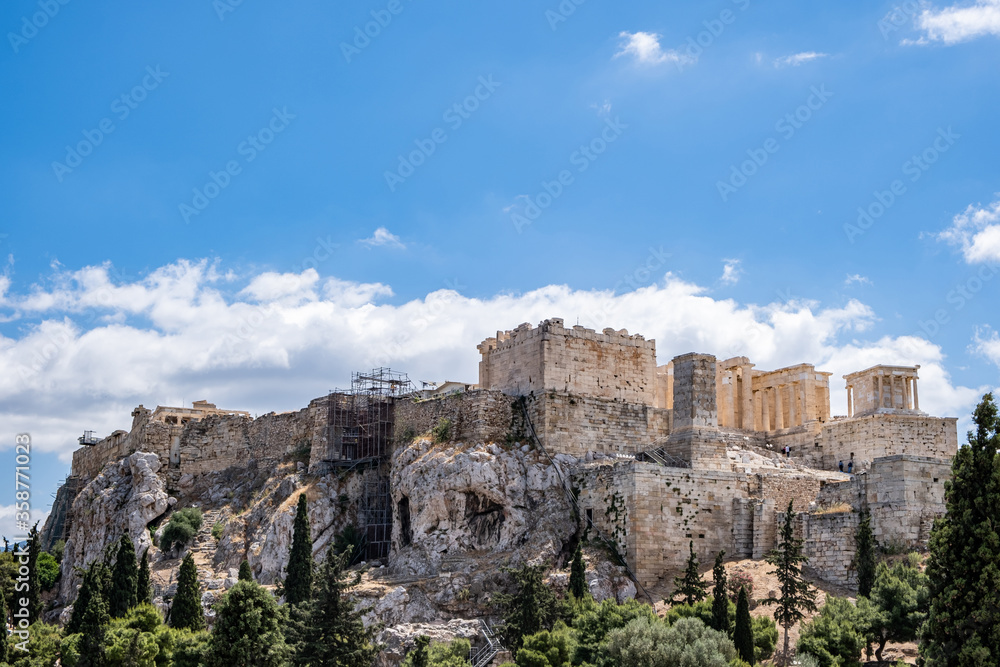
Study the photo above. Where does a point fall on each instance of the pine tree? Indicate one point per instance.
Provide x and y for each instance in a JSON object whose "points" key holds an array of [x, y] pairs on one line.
{"points": [[963, 626], [248, 629], [577, 575], [124, 579], [864, 558], [144, 587], [529, 609], [335, 634], [720, 597], [796, 596], [743, 632], [34, 586], [689, 588], [298, 583], [246, 574], [186, 610]]}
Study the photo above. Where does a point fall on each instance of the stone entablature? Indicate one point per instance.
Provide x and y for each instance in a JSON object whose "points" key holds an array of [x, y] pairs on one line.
{"points": [[610, 364], [883, 389]]}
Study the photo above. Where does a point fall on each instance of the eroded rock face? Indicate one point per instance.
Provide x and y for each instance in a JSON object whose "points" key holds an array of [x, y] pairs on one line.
{"points": [[453, 501], [400, 639], [126, 495]]}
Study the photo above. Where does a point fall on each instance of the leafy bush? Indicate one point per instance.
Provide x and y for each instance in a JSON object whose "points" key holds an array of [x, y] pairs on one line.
{"points": [[686, 643], [834, 637], [217, 530], [442, 430], [739, 579], [47, 568], [57, 550], [765, 637], [182, 527]]}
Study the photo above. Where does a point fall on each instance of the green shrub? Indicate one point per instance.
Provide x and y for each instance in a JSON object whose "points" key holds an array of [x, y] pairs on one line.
{"points": [[217, 530], [834, 637], [765, 637], [442, 430], [47, 568], [182, 527]]}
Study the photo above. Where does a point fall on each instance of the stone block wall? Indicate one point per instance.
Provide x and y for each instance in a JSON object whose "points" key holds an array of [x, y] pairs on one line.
{"points": [[830, 546], [480, 416], [905, 494], [155, 437], [881, 435], [784, 487], [576, 425], [610, 364]]}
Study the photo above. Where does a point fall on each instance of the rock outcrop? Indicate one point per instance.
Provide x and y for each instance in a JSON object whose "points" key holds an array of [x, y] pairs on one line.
{"points": [[124, 497]]}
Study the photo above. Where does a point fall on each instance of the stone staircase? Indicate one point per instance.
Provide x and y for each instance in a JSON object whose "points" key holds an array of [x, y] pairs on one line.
{"points": [[202, 547]]}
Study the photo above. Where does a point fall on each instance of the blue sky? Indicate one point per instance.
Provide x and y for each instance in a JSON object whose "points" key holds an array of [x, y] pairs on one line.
{"points": [[244, 202]]}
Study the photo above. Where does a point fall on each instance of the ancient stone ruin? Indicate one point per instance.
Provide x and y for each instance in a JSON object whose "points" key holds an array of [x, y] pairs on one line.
{"points": [[569, 433]]}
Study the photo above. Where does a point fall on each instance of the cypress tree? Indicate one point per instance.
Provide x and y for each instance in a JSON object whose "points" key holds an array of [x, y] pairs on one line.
{"points": [[577, 575], [689, 587], [91, 589], [93, 618], [186, 610], [720, 597], [529, 609], [418, 656], [34, 586], [124, 579], [796, 596], [743, 633], [4, 646], [865, 555], [335, 634], [246, 574], [144, 587], [298, 583], [963, 626], [248, 629]]}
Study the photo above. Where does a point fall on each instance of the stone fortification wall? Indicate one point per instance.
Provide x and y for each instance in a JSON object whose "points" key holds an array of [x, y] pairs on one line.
{"points": [[152, 437], [880, 435], [476, 417], [800, 489], [830, 546], [610, 364], [577, 425]]}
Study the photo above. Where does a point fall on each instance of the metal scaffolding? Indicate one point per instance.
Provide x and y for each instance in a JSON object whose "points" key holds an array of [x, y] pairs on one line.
{"points": [[360, 424]]}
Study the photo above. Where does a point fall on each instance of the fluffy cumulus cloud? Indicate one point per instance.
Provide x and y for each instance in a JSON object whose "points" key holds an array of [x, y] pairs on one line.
{"points": [[88, 348], [853, 278], [382, 237], [959, 23], [645, 49], [976, 231], [797, 59], [987, 343]]}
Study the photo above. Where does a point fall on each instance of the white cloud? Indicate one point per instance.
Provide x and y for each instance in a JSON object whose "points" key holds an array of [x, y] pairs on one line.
{"points": [[797, 59], [645, 48], [857, 278], [977, 232], [731, 272], [383, 237], [959, 23], [987, 343], [287, 338], [8, 524]]}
